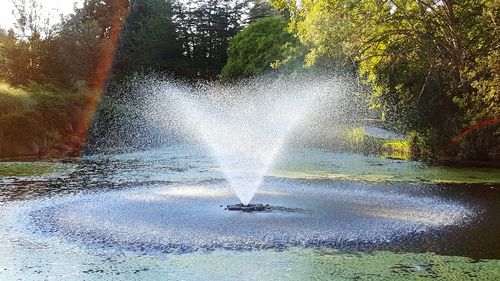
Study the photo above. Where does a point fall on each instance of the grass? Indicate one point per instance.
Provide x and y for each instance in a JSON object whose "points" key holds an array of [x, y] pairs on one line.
{"points": [[13, 99], [397, 149], [359, 141], [37, 114], [6, 89]]}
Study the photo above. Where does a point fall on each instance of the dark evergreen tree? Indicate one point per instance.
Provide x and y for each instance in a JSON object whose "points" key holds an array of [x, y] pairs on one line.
{"points": [[85, 35], [148, 40], [261, 9], [204, 29]]}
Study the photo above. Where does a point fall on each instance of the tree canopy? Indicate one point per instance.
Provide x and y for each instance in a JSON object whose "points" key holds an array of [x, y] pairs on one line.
{"points": [[148, 39], [432, 65], [263, 45]]}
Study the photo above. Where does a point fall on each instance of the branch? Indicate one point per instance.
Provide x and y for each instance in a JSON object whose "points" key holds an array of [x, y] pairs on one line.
{"points": [[424, 85]]}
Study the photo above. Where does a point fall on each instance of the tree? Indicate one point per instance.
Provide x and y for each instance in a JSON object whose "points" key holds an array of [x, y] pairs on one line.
{"points": [[62, 54], [88, 39], [427, 61], [262, 46], [204, 29], [27, 42], [79, 46], [14, 59], [3, 41], [261, 9], [148, 40]]}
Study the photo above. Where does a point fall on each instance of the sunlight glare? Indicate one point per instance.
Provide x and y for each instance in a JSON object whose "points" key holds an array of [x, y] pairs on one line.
{"points": [[51, 8]]}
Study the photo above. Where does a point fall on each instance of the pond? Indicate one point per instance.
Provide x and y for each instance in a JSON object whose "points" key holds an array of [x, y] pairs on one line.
{"points": [[160, 214]]}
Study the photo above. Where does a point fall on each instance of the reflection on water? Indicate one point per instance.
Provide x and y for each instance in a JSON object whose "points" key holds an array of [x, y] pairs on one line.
{"points": [[104, 172]]}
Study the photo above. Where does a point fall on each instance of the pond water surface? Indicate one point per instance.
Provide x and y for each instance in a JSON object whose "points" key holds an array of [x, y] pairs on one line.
{"points": [[159, 214]]}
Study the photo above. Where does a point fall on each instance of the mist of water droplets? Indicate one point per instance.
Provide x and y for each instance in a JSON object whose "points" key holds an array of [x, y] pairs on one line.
{"points": [[245, 126]]}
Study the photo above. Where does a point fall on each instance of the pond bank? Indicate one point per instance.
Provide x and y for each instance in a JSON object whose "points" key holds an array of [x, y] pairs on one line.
{"points": [[41, 122]]}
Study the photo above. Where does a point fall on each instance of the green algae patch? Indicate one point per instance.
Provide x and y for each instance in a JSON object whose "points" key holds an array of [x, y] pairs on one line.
{"points": [[331, 265], [401, 266], [431, 175], [321, 265], [460, 175], [27, 169], [348, 166]]}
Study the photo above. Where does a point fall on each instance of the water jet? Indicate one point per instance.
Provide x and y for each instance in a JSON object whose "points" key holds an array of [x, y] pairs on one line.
{"points": [[245, 127]]}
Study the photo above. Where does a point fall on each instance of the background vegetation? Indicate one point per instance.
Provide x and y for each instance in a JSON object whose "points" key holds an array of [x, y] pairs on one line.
{"points": [[262, 46], [433, 67]]}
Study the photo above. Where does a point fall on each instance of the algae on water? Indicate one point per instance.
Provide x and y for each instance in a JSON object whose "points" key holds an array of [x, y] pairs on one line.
{"points": [[26, 169]]}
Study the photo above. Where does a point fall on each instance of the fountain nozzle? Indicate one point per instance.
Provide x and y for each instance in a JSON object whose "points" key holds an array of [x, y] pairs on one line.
{"points": [[249, 207]]}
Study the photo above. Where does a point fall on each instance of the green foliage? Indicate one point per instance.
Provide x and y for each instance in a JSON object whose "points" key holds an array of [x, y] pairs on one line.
{"points": [[397, 149], [37, 114], [148, 39], [204, 29], [433, 67], [261, 9], [263, 45], [62, 55]]}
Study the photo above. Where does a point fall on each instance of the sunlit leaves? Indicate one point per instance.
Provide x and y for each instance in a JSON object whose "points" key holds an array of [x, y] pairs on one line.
{"points": [[263, 45], [433, 65]]}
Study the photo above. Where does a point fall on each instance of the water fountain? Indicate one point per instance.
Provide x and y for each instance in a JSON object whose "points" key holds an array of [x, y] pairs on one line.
{"points": [[252, 139], [245, 126]]}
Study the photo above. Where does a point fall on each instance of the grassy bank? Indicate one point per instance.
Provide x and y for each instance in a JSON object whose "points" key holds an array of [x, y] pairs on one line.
{"points": [[358, 140], [38, 121]]}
